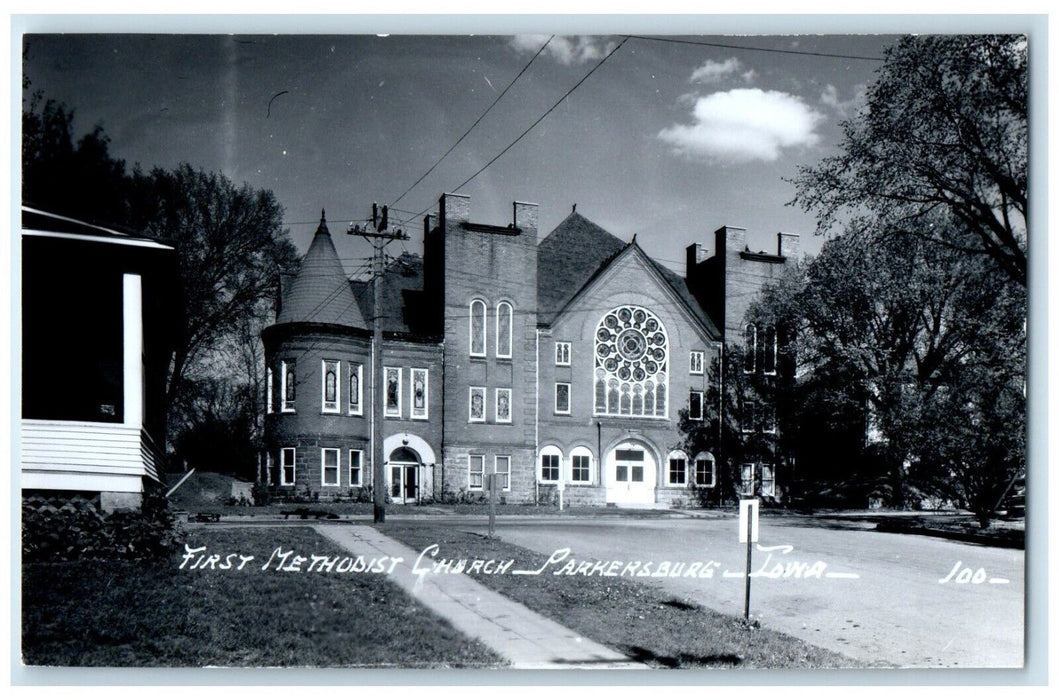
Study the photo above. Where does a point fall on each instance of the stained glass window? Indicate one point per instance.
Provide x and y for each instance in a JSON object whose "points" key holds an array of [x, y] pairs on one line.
{"points": [[632, 363], [503, 329], [287, 388], [562, 398], [476, 410], [478, 327], [393, 392], [419, 393], [354, 388], [503, 405], [330, 386]]}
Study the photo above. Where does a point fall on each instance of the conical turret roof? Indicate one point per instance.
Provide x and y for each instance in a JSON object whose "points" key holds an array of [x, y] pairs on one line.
{"points": [[320, 292]]}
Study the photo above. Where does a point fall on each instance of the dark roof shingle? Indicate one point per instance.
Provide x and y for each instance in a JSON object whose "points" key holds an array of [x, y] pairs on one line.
{"points": [[567, 259], [320, 292]]}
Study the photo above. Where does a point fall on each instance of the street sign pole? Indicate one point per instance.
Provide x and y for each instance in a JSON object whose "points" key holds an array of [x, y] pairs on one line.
{"points": [[746, 601], [748, 532], [492, 503]]}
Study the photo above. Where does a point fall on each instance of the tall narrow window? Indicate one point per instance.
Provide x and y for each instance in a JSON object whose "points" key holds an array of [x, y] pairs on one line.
{"points": [[747, 478], [749, 421], [503, 329], [287, 388], [696, 361], [749, 348], [478, 328], [356, 460], [695, 401], [503, 405], [768, 481], [268, 390], [329, 383], [356, 377], [678, 468], [562, 398], [393, 392], [329, 466], [562, 354], [768, 350], [420, 387], [768, 419], [286, 466], [502, 464], [476, 404], [475, 472]]}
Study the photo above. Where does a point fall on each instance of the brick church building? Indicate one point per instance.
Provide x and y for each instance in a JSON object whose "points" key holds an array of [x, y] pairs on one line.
{"points": [[562, 366]]}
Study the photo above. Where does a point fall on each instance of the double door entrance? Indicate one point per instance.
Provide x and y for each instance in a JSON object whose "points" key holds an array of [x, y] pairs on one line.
{"points": [[404, 481], [631, 475]]}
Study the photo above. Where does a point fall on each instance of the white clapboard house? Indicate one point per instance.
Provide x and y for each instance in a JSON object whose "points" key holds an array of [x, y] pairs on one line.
{"points": [[99, 316]]}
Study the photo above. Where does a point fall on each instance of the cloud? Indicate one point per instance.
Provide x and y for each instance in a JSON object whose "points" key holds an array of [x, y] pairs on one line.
{"points": [[744, 125], [715, 71], [565, 49], [829, 97]]}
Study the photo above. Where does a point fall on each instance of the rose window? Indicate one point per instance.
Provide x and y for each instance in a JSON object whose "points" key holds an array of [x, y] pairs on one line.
{"points": [[632, 358]]}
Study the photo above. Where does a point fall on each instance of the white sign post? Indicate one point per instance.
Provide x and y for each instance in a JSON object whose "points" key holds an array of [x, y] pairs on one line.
{"points": [[748, 532]]}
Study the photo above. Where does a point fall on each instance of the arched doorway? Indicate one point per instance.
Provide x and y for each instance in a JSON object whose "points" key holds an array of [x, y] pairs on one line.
{"points": [[631, 474], [404, 464], [409, 464]]}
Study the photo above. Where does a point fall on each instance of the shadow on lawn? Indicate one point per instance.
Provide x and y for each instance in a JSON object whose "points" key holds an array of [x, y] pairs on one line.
{"points": [[646, 656]]}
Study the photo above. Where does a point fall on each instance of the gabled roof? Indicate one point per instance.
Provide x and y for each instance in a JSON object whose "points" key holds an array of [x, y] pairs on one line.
{"points": [[320, 292], [578, 251], [567, 259]]}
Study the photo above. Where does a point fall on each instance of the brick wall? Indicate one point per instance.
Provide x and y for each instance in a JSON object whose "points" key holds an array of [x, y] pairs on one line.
{"points": [[494, 264]]}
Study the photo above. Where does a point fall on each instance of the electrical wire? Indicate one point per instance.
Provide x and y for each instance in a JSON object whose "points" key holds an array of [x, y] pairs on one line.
{"points": [[476, 121]]}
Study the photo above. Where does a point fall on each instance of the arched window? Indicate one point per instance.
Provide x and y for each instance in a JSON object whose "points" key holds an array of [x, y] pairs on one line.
{"points": [[503, 329], [749, 348], [551, 461], [768, 350], [705, 472], [632, 364], [478, 328], [581, 466], [677, 470]]}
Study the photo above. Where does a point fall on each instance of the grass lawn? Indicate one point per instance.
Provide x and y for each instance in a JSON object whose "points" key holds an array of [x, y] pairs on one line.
{"points": [[96, 613], [637, 619]]}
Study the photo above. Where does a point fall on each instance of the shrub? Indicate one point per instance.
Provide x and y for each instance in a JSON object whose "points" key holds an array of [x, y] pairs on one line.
{"points": [[78, 530], [261, 494]]}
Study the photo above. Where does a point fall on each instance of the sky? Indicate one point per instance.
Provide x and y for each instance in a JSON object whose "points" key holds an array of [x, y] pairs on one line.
{"points": [[665, 140]]}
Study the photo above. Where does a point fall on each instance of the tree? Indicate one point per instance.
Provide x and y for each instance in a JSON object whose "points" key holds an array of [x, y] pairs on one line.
{"points": [[944, 129], [232, 247], [79, 180], [902, 333], [733, 433]]}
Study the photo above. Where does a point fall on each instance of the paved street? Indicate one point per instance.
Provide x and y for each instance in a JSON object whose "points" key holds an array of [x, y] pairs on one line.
{"points": [[887, 602]]}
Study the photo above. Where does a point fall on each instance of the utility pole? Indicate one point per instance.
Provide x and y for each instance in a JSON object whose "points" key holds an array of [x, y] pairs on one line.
{"points": [[377, 235]]}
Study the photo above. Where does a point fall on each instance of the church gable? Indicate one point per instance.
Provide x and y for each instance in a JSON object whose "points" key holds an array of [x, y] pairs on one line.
{"points": [[633, 279]]}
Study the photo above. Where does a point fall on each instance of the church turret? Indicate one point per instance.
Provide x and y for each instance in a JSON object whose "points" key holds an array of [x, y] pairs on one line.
{"points": [[320, 292]]}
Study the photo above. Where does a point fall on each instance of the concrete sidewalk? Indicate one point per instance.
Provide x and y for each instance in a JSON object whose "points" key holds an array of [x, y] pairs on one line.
{"points": [[523, 637]]}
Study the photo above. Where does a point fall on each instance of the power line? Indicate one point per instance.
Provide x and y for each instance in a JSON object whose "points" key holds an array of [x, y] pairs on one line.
{"points": [[535, 123], [737, 47], [476, 121]]}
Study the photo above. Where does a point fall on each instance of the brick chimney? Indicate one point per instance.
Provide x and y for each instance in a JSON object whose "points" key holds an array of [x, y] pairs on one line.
{"points": [[694, 254], [731, 239], [788, 245], [525, 219]]}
